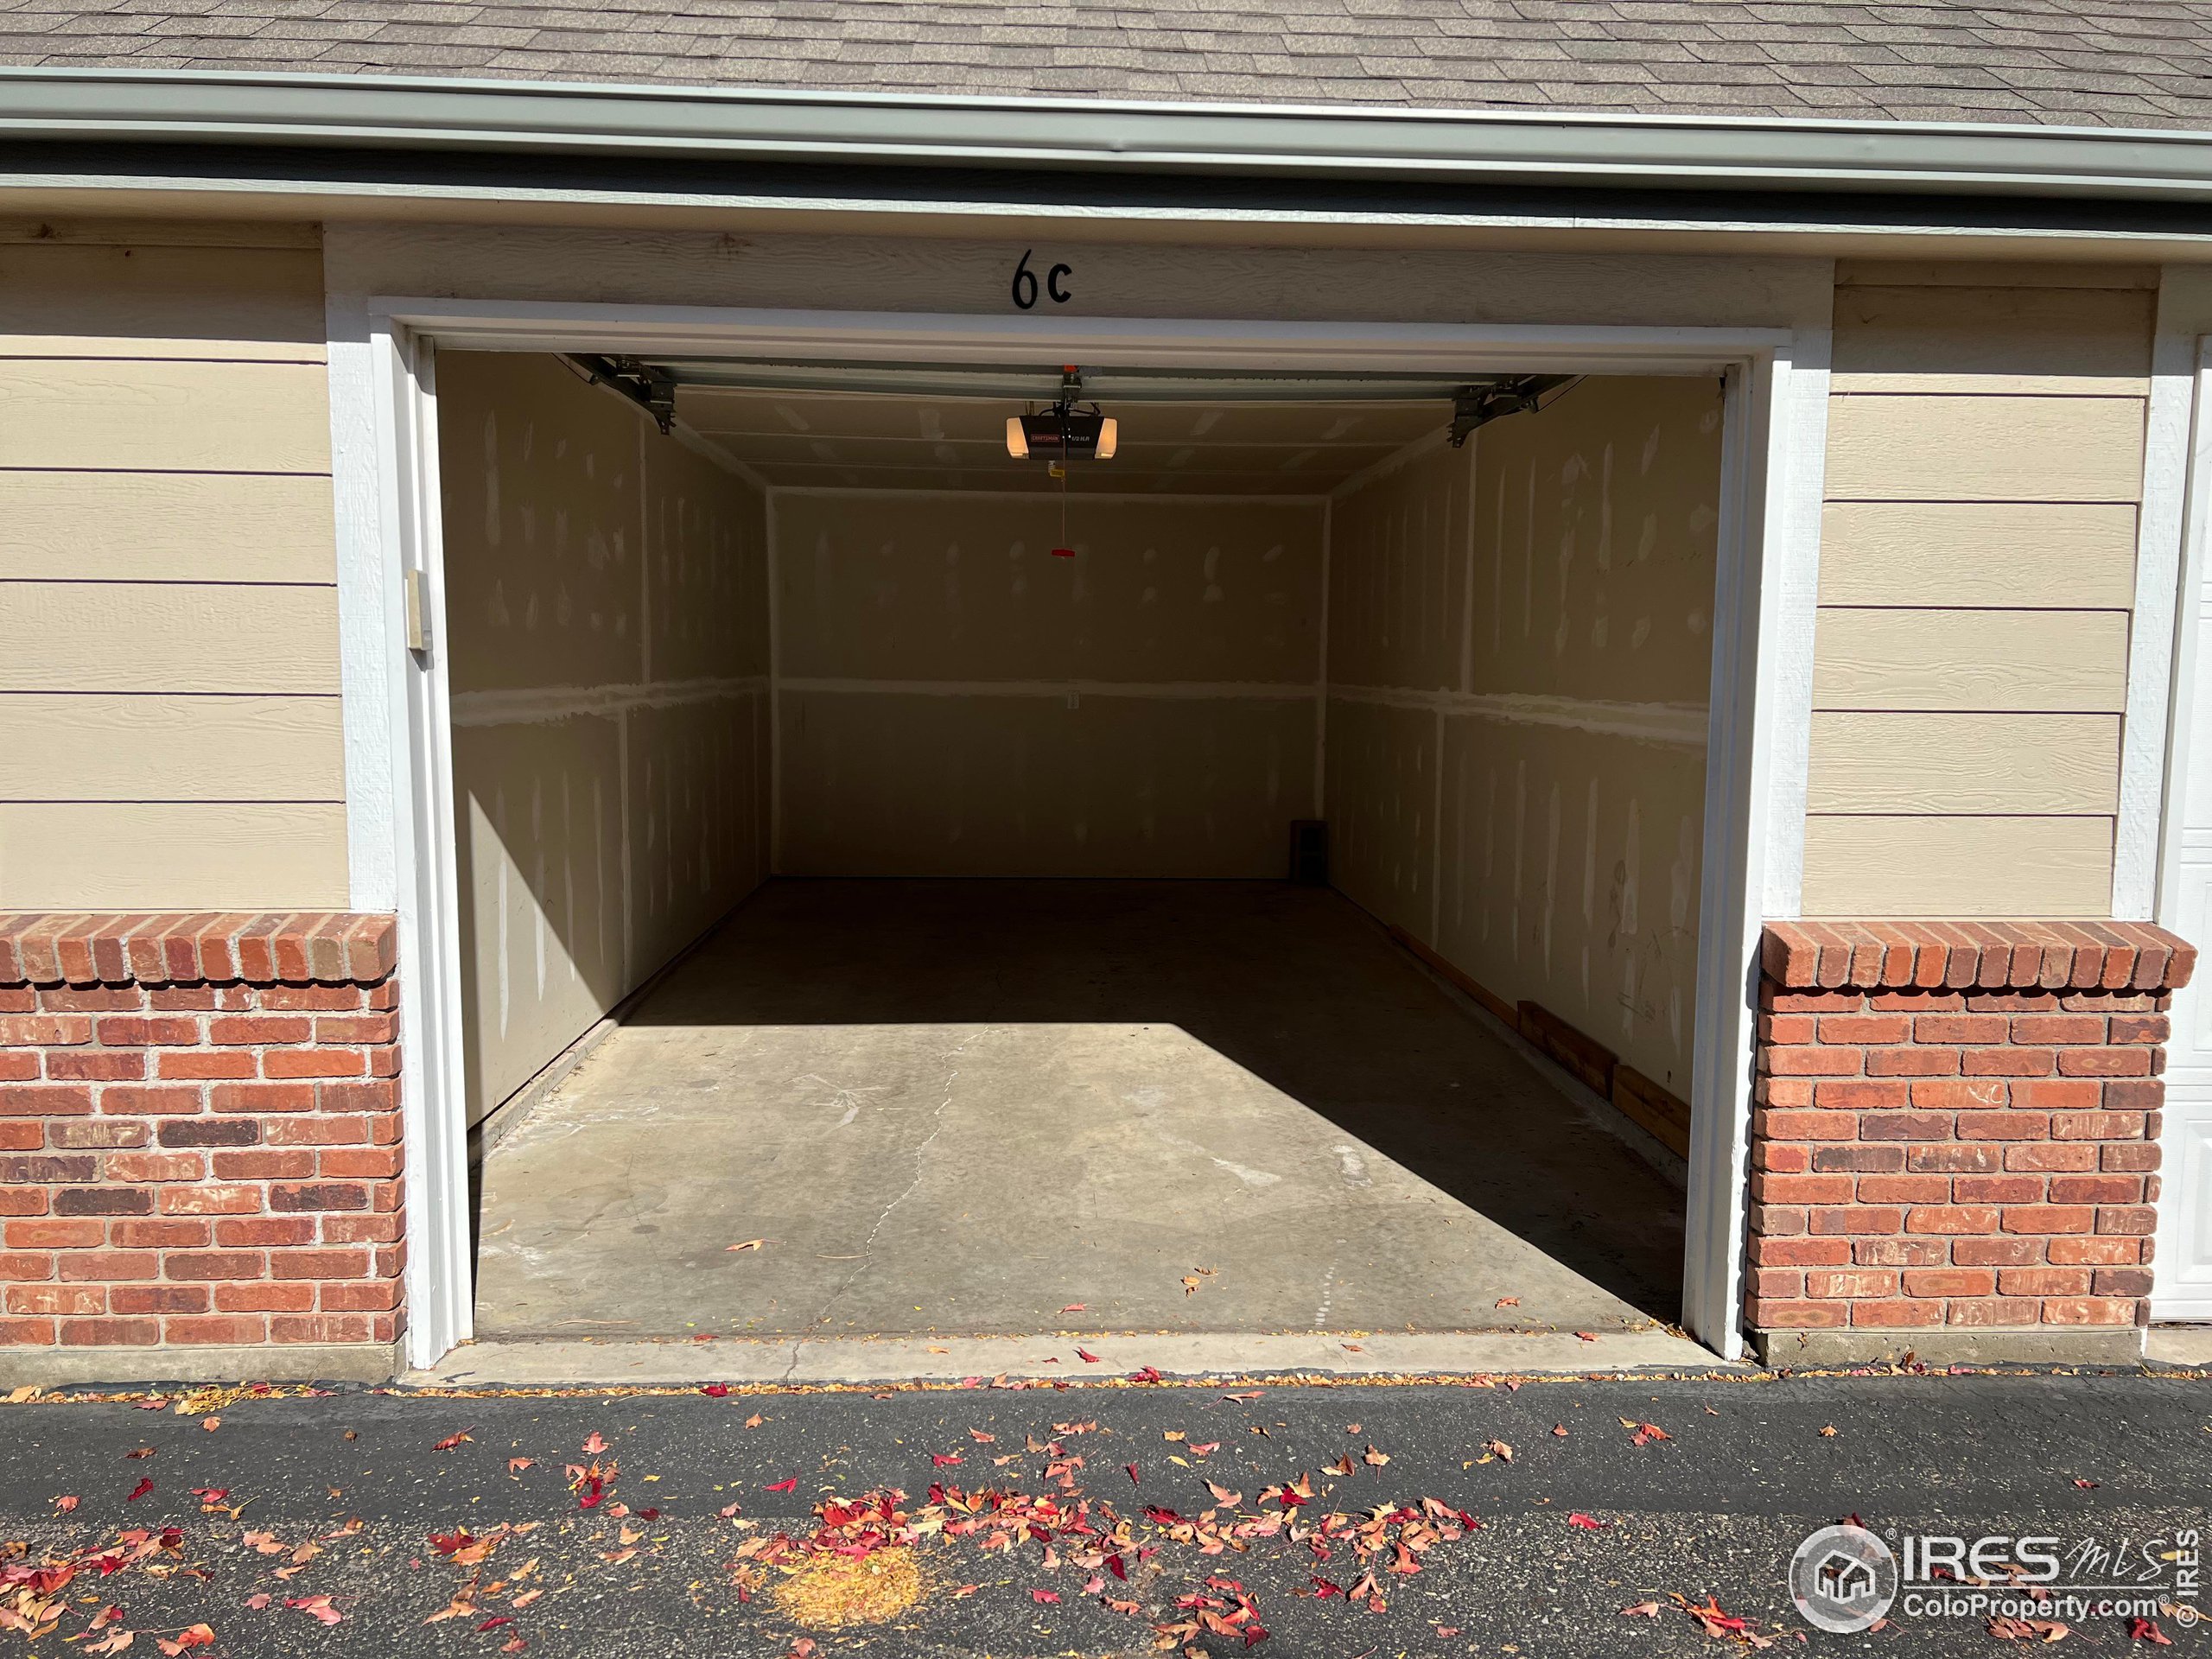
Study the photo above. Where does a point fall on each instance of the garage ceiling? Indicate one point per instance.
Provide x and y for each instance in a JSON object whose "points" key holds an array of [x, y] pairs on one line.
{"points": [[1174, 441]]}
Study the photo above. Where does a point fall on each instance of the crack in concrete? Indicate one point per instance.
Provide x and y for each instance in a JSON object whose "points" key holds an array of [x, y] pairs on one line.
{"points": [[868, 1244]]}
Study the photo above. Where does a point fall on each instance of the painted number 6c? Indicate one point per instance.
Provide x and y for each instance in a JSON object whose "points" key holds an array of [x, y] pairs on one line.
{"points": [[1025, 283]]}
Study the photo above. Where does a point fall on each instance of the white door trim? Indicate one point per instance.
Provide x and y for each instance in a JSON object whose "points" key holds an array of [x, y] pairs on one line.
{"points": [[397, 734]]}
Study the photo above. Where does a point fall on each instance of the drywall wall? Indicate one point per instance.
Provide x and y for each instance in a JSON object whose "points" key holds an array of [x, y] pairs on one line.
{"points": [[168, 623], [1519, 665], [607, 615], [1985, 468], [954, 700]]}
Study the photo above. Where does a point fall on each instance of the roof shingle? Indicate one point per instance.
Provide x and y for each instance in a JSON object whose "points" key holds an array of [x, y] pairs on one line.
{"points": [[2073, 62]]}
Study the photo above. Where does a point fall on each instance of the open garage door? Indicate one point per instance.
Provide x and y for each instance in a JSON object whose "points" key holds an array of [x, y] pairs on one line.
{"points": [[877, 847]]}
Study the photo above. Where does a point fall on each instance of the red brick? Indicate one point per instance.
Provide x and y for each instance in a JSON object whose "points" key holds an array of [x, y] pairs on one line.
{"points": [[38, 1235], [363, 1162], [378, 1095], [1862, 1094], [2138, 1156], [104, 1201], [1994, 1311], [44, 1031], [1952, 1218], [2008, 1061], [2130, 1221], [313, 1063], [1781, 1158], [1912, 1062], [1903, 1311], [263, 1164], [118, 1099], [1955, 1095], [1800, 1189], [210, 1132], [1791, 1316], [51, 1299], [95, 1065], [1800, 1252], [155, 1166], [2044, 1281], [1865, 1028], [203, 1265], [2088, 1310], [2059, 1094], [23, 1169], [2047, 1218], [1809, 1062], [166, 1234], [110, 1333], [319, 1195], [1777, 1221], [1905, 1188], [1998, 1189], [1886, 1160], [2095, 1252], [1765, 1284], [18, 1267], [137, 1030], [213, 1198], [1854, 1218], [22, 1201], [159, 1298], [1960, 1028], [254, 1029], [319, 1131], [319, 1264], [2139, 1028], [2097, 1126], [25, 1333], [2105, 1062], [261, 1097], [1956, 1159], [272, 1296], [1855, 1283], [1917, 1003], [90, 999], [18, 1065], [45, 1100], [1905, 1126], [2097, 1188], [380, 1028], [2120, 1282], [100, 1134], [367, 1296], [216, 1328], [1899, 1252], [199, 1062], [2002, 1126], [386, 1229], [314, 999], [2050, 1155], [327, 1327], [2057, 1028], [260, 1233]]}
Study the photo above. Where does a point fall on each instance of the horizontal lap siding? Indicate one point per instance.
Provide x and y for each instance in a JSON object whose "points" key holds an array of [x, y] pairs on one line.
{"points": [[1977, 570], [169, 631]]}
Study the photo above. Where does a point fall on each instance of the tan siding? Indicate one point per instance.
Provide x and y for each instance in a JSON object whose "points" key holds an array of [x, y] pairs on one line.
{"points": [[172, 854], [159, 637], [1958, 866], [2041, 555], [168, 640], [166, 527], [2029, 661], [1946, 764], [1984, 473], [107, 747], [1952, 448]]}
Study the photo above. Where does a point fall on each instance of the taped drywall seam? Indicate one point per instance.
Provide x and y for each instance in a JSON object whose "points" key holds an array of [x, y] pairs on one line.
{"points": [[1680, 723]]}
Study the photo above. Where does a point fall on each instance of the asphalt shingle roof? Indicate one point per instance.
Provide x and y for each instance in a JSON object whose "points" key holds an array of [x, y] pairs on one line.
{"points": [[2132, 63]]}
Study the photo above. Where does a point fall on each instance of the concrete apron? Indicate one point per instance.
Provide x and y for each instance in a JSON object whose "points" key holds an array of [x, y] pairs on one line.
{"points": [[798, 1360]]}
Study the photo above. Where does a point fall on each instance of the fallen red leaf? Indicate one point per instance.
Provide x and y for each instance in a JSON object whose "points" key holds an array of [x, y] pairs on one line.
{"points": [[65, 1505], [453, 1440], [1043, 1596], [1074, 1307], [714, 1390], [594, 1444], [1086, 1357], [1132, 1468], [1579, 1519], [139, 1491], [940, 1459], [2146, 1629], [790, 1486]]}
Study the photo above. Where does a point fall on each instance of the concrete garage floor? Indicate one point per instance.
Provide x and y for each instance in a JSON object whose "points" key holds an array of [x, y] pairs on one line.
{"points": [[958, 1108]]}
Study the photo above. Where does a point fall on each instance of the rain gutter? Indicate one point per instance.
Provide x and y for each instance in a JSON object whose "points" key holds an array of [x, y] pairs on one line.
{"points": [[516, 118]]}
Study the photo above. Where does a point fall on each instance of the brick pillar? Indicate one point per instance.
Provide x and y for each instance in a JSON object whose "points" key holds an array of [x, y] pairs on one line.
{"points": [[1954, 1139], [200, 1146]]}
